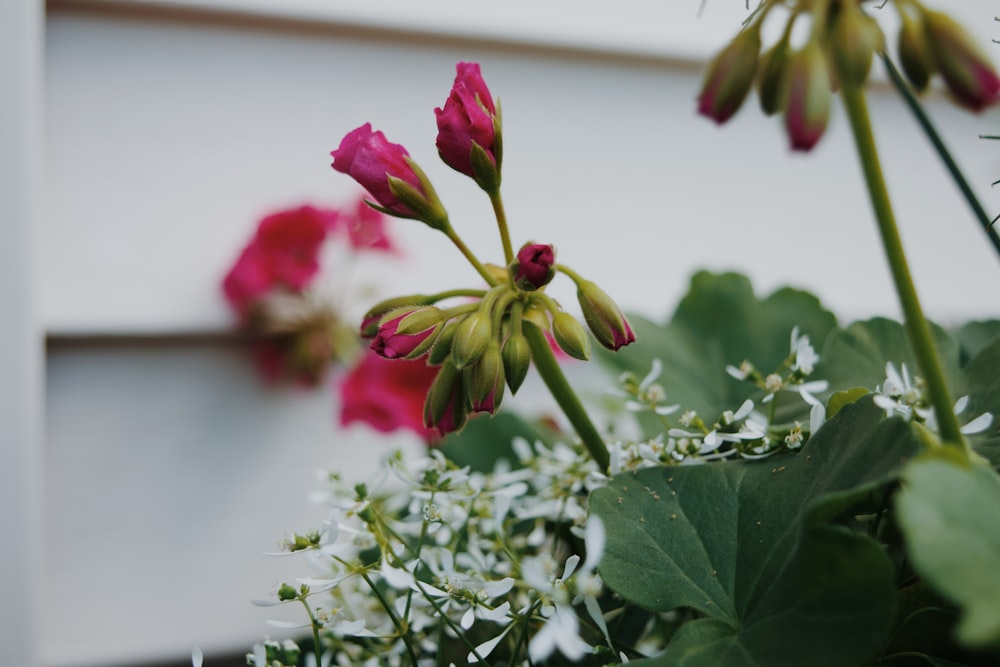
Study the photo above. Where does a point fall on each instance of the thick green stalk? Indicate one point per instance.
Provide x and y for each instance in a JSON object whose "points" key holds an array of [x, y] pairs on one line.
{"points": [[552, 375], [949, 162], [917, 328]]}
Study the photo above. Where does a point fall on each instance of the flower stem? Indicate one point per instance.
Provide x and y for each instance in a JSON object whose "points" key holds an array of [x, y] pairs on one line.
{"points": [[917, 328], [460, 244], [501, 215], [552, 375], [956, 174]]}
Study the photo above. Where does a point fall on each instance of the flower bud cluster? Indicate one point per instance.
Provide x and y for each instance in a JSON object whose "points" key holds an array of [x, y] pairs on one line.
{"points": [[797, 81], [481, 348]]}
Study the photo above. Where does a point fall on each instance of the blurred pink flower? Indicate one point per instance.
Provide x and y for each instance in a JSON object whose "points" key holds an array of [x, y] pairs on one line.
{"points": [[388, 395], [367, 228], [284, 253]]}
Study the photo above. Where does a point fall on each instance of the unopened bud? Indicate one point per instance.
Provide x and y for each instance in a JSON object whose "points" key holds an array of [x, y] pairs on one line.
{"points": [[855, 37], [287, 592], [807, 107], [730, 77], [444, 407], [484, 381], [968, 73], [914, 53], [516, 360], [570, 335], [771, 73], [472, 337], [407, 333], [371, 319], [534, 267], [603, 316], [441, 349]]}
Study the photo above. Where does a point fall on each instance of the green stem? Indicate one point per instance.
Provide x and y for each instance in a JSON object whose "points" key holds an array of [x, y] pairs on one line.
{"points": [[403, 631], [917, 328], [956, 174], [552, 375], [460, 244], [501, 215]]}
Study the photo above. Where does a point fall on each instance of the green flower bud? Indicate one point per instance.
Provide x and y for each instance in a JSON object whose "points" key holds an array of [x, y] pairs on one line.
{"points": [[771, 73], [286, 593], [854, 38], [570, 335], [914, 53], [472, 337], [441, 349], [969, 73], [371, 320], [537, 315], [516, 360], [444, 408], [807, 107], [418, 319], [484, 380]]}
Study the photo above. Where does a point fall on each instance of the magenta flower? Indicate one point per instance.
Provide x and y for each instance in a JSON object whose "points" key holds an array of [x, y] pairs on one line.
{"points": [[387, 395], [371, 160], [469, 117], [535, 266], [392, 344]]}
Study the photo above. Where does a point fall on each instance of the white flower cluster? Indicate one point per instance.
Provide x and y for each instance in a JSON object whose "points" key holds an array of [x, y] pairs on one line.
{"points": [[746, 432], [433, 559], [902, 396]]}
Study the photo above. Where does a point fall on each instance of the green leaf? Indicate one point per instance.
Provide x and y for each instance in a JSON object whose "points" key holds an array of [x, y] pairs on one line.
{"points": [[484, 441], [731, 541], [842, 398], [856, 356], [721, 322], [950, 516], [974, 337]]}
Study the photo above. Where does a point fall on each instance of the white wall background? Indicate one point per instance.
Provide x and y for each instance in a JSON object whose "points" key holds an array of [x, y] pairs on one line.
{"points": [[169, 131]]}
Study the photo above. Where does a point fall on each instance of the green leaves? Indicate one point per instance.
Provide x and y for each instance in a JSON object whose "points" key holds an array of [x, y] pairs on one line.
{"points": [[950, 515], [744, 545]]}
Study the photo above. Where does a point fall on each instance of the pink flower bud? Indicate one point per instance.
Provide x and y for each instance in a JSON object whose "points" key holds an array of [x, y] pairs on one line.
{"points": [[606, 320], [966, 71], [468, 119], [485, 381], [386, 171], [444, 409], [807, 107], [730, 77], [535, 266], [400, 336]]}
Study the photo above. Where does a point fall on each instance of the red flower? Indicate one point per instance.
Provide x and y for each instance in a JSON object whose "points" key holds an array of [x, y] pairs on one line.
{"points": [[284, 253], [468, 116], [387, 395], [370, 159]]}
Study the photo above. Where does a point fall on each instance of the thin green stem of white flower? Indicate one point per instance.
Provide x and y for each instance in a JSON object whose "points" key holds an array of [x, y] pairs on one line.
{"points": [[400, 628], [313, 623], [917, 328]]}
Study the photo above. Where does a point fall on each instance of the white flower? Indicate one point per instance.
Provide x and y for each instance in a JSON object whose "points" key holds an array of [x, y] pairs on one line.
{"points": [[805, 355], [561, 631], [196, 657]]}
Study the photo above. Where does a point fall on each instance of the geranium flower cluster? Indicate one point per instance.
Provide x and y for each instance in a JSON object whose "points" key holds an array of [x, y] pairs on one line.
{"points": [[486, 342], [842, 41], [270, 287]]}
